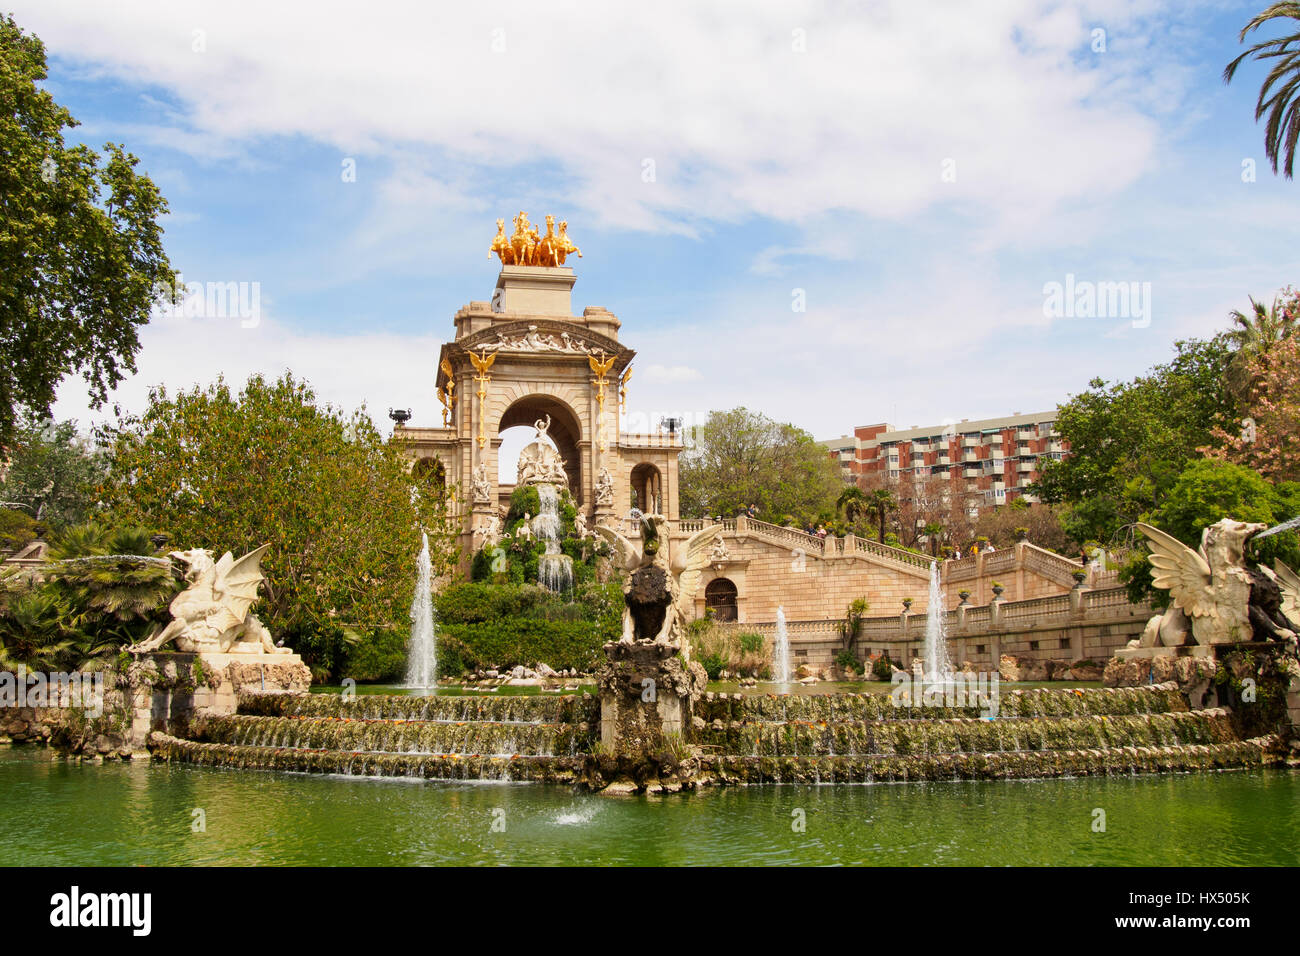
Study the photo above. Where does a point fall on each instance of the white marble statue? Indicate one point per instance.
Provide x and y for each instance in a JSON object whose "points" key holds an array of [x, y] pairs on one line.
{"points": [[580, 525], [540, 461], [212, 614], [604, 488], [480, 487], [1210, 589]]}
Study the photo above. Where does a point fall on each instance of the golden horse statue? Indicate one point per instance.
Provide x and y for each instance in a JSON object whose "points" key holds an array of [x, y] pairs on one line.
{"points": [[526, 248], [548, 247], [501, 245], [566, 244]]}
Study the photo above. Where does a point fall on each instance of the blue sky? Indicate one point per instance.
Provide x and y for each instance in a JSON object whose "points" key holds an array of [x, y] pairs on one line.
{"points": [[795, 147]]}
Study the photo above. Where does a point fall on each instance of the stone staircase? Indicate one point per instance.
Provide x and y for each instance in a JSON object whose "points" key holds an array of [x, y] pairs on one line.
{"points": [[739, 739], [847, 738], [444, 738]]}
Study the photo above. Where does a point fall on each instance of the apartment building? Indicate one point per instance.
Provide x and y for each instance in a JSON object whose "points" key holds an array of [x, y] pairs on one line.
{"points": [[994, 457]]}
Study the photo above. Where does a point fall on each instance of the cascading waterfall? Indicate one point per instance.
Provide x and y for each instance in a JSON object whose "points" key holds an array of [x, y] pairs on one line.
{"points": [[781, 650], [938, 665], [422, 656], [554, 569]]}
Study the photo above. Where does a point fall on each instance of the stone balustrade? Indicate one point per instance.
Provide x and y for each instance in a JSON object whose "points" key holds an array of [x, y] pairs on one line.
{"points": [[1082, 624]]}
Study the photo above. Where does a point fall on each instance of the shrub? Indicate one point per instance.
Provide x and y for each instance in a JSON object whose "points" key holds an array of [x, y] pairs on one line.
{"points": [[721, 648], [376, 657], [501, 625], [846, 661], [882, 668]]}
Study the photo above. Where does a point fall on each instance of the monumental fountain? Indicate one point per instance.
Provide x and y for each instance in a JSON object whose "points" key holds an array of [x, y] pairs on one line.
{"points": [[654, 726]]}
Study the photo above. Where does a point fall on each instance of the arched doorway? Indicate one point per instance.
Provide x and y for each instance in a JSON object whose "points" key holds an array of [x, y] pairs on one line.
{"points": [[565, 432], [647, 489], [720, 599]]}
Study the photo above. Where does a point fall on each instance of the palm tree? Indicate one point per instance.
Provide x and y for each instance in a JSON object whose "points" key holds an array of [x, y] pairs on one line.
{"points": [[1253, 334], [882, 502], [1279, 97], [932, 530], [853, 502]]}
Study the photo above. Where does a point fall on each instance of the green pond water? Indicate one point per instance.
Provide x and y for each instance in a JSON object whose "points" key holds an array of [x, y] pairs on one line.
{"points": [[57, 812]]}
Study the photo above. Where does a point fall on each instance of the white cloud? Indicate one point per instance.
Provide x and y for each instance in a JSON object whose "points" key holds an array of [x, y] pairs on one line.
{"points": [[738, 123], [376, 369]]}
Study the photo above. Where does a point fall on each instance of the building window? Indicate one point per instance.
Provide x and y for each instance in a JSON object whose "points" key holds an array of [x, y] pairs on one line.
{"points": [[720, 597]]}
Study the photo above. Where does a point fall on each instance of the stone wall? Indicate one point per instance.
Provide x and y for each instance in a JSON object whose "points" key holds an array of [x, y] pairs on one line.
{"points": [[67, 723], [157, 692], [815, 578], [1080, 625]]}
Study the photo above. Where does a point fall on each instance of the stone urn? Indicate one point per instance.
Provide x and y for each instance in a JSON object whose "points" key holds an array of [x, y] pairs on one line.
{"points": [[964, 595], [997, 592], [907, 605]]}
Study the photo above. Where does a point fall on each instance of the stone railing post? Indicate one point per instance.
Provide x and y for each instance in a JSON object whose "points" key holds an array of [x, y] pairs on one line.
{"points": [[829, 550], [742, 524], [1077, 605], [995, 613], [850, 544]]}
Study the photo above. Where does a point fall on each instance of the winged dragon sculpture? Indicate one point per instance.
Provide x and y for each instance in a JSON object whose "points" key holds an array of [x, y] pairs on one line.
{"points": [[212, 614], [1217, 595], [664, 576]]}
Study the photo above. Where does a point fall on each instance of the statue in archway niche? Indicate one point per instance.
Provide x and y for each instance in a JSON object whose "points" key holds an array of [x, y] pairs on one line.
{"points": [[480, 487], [604, 488], [540, 461]]}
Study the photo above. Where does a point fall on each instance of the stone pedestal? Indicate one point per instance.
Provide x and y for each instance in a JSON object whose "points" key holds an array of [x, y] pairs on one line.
{"points": [[167, 687], [647, 705], [535, 290]]}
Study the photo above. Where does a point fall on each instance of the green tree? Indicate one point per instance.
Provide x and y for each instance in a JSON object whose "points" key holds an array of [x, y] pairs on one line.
{"points": [[1130, 441], [337, 502], [1208, 491], [740, 458], [1279, 97], [81, 253], [54, 472]]}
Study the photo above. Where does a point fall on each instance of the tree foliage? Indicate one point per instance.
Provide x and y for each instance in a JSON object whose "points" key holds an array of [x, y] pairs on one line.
{"points": [[53, 472], [1208, 491], [740, 458], [1130, 441], [1279, 96], [1268, 436], [337, 502], [81, 253], [103, 589]]}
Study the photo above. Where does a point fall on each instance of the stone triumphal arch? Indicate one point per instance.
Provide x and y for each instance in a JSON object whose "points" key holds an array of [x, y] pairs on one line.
{"points": [[525, 357]]}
